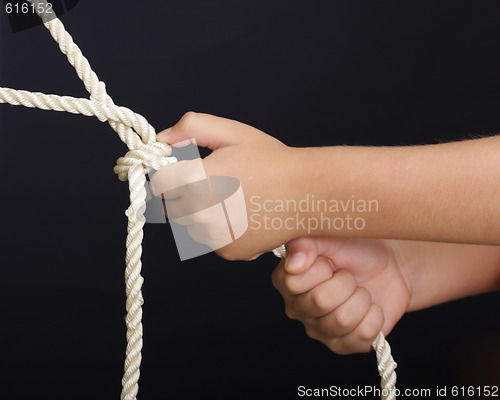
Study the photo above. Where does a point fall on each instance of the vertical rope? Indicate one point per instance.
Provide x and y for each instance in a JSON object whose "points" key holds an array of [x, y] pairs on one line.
{"points": [[135, 213], [134, 281], [145, 154]]}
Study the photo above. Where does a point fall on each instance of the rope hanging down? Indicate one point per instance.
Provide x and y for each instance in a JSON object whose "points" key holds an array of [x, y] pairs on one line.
{"points": [[144, 155]]}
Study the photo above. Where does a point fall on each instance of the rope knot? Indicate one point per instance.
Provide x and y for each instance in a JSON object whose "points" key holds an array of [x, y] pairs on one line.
{"points": [[151, 156]]}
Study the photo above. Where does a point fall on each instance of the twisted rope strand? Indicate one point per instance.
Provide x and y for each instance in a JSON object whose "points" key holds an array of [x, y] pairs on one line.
{"points": [[145, 154], [95, 87]]}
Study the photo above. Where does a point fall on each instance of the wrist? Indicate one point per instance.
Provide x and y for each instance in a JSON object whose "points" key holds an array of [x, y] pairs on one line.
{"points": [[331, 192], [408, 260], [296, 184], [440, 272], [303, 182]]}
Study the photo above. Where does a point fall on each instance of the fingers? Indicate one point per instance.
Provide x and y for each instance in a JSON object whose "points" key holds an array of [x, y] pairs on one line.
{"points": [[330, 304], [346, 317], [348, 328], [361, 338], [327, 296], [301, 253], [291, 285], [207, 130], [172, 178]]}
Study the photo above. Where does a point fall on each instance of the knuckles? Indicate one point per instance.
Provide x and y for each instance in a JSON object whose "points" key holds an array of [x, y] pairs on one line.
{"points": [[370, 330], [339, 348], [274, 277], [293, 284], [186, 121], [228, 255], [231, 252], [312, 333], [368, 333], [321, 300], [344, 319], [346, 280], [290, 311]]}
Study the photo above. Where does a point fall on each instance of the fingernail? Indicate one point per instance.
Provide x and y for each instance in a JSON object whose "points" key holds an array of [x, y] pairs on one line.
{"points": [[163, 134], [295, 261], [331, 264]]}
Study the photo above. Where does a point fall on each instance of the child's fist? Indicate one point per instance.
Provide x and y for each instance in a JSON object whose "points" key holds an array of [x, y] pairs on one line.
{"points": [[339, 297]]}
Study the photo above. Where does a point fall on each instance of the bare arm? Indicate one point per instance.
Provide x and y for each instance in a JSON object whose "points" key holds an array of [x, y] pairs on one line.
{"points": [[441, 193], [440, 272], [445, 192]]}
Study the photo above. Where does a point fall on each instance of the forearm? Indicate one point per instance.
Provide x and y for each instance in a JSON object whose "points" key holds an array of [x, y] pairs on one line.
{"points": [[445, 192], [440, 272]]}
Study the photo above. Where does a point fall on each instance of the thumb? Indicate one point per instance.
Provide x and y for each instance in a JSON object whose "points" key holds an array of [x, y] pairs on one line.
{"points": [[207, 131], [301, 254]]}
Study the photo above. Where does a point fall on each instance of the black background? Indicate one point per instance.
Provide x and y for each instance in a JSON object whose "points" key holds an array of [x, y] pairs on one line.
{"points": [[308, 72]]}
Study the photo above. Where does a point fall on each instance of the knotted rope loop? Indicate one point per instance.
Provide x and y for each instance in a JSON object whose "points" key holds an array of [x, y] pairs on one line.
{"points": [[151, 156]]}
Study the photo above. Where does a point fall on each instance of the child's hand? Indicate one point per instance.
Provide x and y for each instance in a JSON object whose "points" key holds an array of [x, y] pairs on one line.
{"points": [[265, 167], [344, 291]]}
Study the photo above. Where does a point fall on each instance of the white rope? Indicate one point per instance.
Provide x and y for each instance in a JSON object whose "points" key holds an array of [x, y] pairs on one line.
{"points": [[145, 154], [386, 364]]}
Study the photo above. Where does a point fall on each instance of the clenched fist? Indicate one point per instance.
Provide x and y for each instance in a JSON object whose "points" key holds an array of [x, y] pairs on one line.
{"points": [[344, 291]]}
